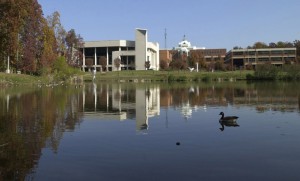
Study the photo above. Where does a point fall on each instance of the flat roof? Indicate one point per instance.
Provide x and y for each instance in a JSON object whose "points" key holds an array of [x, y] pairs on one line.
{"points": [[109, 43], [261, 49]]}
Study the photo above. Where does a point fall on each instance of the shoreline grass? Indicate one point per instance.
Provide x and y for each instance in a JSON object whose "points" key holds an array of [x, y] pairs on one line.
{"points": [[167, 76], [128, 76]]}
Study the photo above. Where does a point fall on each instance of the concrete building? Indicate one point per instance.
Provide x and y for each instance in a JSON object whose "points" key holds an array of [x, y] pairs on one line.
{"points": [[252, 57], [132, 54]]}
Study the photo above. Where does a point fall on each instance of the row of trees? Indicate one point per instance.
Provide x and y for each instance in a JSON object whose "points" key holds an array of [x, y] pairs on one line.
{"points": [[33, 43], [280, 44], [183, 62]]}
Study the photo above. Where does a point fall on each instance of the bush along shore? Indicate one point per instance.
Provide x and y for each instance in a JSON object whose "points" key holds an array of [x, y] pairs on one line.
{"points": [[166, 76], [271, 72], [262, 72]]}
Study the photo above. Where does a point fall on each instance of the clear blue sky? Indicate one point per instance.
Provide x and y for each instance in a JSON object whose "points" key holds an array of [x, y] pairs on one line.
{"points": [[207, 23]]}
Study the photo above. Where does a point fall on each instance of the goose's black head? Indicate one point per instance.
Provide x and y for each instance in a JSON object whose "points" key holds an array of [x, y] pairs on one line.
{"points": [[221, 113]]}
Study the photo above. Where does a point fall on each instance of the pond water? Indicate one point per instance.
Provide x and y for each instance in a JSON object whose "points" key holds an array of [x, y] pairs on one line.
{"points": [[150, 132]]}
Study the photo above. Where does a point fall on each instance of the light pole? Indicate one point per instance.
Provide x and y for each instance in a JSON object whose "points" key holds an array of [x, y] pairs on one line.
{"points": [[8, 70]]}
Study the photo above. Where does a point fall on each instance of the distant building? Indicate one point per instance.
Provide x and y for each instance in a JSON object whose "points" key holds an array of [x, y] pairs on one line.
{"points": [[184, 47], [185, 50], [133, 54], [252, 57], [211, 55]]}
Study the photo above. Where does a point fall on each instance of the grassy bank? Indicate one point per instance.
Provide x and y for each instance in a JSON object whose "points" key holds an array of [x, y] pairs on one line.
{"points": [[167, 76], [130, 76], [10, 79]]}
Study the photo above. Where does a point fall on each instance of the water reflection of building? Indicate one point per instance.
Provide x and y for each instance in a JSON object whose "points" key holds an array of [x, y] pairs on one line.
{"points": [[230, 95], [121, 102]]}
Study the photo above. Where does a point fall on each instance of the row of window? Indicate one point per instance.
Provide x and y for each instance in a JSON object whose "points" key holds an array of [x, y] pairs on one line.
{"points": [[209, 52], [273, 59], [275, 52], [90, 60], [102, 51]]}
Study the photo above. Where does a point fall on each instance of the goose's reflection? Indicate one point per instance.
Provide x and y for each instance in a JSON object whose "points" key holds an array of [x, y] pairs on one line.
{"points": [[229, 121]]}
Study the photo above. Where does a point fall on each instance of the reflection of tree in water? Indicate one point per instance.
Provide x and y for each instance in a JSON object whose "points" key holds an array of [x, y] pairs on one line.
{"points": [[34, 121]]}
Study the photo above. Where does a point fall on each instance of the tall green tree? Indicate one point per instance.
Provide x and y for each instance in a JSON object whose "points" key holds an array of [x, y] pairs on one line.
{"points": [[25, 36], [11, 15], [74, 43], [259, 45], [49, 50], [33, 42], [33, 37], [297, 45], [60, 33]]}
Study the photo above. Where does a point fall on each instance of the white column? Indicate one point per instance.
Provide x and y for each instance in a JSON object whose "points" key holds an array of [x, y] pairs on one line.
{"points": [[107, 98], [95, 96], [95, 56], [83, 98], [7, 102], [8, 70], [83, 61], [107, 59], [127, 62]]}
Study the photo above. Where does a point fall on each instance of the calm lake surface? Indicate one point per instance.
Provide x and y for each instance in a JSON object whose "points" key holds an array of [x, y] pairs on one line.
{"points": [[150, 132]]}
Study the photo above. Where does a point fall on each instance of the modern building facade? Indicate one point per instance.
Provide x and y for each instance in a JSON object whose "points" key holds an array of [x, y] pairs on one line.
{"points": [[132, 54], [252, 57]]}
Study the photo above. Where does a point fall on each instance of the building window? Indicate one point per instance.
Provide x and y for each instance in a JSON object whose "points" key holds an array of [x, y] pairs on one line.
{"points": [[251, 53], [263, 59], [289, 52], [251, 60], [263, 53], [276, 59], [237, 53]]}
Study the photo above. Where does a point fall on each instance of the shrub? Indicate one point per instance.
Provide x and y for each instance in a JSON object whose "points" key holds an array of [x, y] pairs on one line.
{"points": [[291, 72], [206, 79], [171, 78], [62, 71], [250, 77], [266, 71], [182, 78]]}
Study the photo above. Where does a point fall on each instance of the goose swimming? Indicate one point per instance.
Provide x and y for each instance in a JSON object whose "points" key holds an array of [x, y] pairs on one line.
{"points": [[228, 118], [229, 121]]}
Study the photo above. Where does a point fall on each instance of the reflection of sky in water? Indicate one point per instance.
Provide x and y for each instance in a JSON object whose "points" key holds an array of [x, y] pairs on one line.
{"points": [[132, 135], [264, 147]]}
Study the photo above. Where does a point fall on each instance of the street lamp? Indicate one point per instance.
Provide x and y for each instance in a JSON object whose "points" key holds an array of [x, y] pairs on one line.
{"points": [[8, 70]]}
